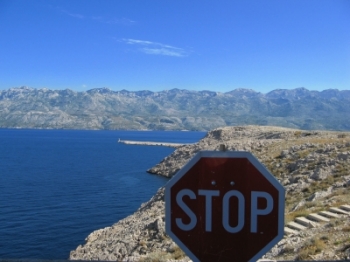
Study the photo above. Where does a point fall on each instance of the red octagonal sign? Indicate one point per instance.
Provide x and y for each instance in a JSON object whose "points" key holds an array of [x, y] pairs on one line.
{"points": [[224, 206]]}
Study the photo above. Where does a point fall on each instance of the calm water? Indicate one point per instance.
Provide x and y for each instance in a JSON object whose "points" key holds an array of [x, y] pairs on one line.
{"points": [[57, 186]]}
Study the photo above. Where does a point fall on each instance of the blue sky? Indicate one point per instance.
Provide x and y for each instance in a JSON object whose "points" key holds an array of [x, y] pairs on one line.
{"points": [[158, 45]]}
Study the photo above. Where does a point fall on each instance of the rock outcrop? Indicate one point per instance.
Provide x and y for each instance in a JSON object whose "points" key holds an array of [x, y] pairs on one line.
{"points": [[314, 167]]}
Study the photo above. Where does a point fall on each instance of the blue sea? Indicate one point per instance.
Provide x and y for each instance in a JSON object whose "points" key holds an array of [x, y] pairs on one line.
{"points": [[57, 186]]}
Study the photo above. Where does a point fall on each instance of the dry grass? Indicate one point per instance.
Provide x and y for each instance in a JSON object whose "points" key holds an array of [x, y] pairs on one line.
{"points": [[163, 256], [178, 253], [346, 229], [312, 247], [293, 215], [279, 166], [274, 149]]}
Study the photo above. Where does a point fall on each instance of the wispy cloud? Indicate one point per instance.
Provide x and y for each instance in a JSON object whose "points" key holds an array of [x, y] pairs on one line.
{"points": [[123, 21], [80, 16], [154, 48], [134, 41], [101, 19], [114, 21]]}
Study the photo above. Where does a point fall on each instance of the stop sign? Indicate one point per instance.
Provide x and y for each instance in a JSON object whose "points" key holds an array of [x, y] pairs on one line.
{"points": [[224, 206]]}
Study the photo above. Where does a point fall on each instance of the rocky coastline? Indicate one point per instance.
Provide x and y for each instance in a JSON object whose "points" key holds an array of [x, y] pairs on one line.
{"points": [[313, 166]]}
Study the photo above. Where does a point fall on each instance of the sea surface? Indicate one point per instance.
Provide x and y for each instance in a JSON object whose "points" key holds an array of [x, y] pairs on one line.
{"points": [[57, 186]]}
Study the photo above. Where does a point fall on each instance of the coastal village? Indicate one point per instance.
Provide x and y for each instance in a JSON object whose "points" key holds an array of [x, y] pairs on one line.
{"points": [[312, 166]]}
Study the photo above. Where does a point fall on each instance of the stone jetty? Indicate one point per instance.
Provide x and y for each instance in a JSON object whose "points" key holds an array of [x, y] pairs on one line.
{"points": [[151, 143]]}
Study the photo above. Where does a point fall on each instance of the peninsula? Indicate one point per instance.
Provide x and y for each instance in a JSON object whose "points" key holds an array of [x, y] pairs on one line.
{"points": [[313, 166]]}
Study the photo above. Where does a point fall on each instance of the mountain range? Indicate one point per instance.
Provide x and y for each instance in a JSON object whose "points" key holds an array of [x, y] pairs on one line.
{"points": [[175, 109]]}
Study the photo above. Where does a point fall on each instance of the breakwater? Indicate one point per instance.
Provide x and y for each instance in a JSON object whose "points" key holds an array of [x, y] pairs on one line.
{"points": [[151, 143]]}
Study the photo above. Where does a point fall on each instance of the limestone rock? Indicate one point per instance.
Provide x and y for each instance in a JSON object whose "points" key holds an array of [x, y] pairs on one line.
{"points": [[320, 174], [297, 158]]}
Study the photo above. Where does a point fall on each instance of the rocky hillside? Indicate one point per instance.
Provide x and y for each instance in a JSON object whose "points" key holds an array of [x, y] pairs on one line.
{"points": [[174, 109], [314, 168]]}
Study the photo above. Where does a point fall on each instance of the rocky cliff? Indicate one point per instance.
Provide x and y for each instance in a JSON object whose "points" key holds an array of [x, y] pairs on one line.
{"points": [[313, 166]]}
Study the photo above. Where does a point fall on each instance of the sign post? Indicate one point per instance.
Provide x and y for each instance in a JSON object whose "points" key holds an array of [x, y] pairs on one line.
{"points": [[224, 206]]}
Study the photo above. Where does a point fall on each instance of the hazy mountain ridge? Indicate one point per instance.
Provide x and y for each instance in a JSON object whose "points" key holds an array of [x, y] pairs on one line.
{"points": [[175, 109]]}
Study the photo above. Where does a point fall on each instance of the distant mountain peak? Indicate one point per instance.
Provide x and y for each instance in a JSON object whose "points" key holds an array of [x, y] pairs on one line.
{"points": [[101, 90]]}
